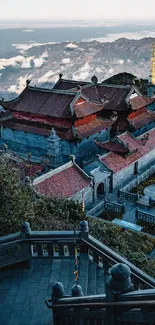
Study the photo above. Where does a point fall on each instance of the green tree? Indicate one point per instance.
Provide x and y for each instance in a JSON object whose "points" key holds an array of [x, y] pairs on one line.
{"points": [[15, 203]]}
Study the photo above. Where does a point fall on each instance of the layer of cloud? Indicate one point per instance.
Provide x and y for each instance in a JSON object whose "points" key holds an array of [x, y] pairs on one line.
{"points": [[23, 62], [65, 61], [17, 61], [47, 77], [25, 47], [38, 62], [83, 73], [28, 30], [71, 46], [113, 37], [20, 85]]}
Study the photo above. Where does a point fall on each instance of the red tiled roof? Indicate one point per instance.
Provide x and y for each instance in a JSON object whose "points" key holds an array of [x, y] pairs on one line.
{"points": [[143, 119], [66, 183], [92, 127], [113, 95], [87, 108], [42, 102], [140, 101], [113, 146], [116, 162]]}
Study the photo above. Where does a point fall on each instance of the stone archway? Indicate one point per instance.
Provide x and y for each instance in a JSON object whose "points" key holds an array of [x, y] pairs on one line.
{"points": [[100, 190]]}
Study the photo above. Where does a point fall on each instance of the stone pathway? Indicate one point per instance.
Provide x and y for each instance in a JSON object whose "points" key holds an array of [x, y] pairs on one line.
{"points": [[23, 291]]}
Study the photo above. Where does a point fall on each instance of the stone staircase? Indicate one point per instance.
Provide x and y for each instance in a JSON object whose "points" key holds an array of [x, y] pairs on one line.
{"points": [[91, 276], [23, 291]]}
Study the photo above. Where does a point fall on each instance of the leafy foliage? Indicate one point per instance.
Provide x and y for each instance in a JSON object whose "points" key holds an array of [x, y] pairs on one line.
{"points": [[133, 246]]}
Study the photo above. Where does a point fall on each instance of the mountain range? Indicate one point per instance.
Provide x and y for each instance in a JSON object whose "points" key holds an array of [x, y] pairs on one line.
{"points": [[42, 62]]}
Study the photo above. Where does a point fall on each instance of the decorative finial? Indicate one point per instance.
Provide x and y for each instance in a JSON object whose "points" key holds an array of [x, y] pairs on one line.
{"points": [[94, 80], [60, 75], [28, 82]]}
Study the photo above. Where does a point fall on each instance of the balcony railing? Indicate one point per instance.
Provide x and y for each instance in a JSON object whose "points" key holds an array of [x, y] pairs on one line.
{"points": [[123, 306]]}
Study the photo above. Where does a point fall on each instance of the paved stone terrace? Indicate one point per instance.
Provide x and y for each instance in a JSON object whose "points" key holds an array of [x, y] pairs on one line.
{"points": [[23, 291]]}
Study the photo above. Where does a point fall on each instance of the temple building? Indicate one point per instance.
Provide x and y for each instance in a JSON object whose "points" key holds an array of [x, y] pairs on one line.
{"points": [[50, 125], [123, 157]]}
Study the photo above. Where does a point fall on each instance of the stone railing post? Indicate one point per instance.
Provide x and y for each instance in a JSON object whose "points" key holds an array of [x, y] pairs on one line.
{"points": [[136, 213], [25, 230], [57, 293], [76, 291], [84, 229], [118, 281], [84, 233]]}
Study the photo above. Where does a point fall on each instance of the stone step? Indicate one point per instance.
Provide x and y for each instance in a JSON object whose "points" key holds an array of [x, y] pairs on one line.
{"points": [[83, 273], [92, 277], [100, 285]]}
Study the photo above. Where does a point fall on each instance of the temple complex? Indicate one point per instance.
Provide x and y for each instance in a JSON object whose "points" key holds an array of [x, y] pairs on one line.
{"points": [[51, 125]]}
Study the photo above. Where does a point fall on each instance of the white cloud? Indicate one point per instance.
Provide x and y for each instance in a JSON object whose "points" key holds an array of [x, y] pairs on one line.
{"points": [[99, 70], [46, 77], [71, 46], [16, 61], [21, 84], [12, 89], [128, 35], [129, 61], [26, 47], [38, 62], [120, 61], [111, 70], [83, 73], [65, 61], [28, 30]]}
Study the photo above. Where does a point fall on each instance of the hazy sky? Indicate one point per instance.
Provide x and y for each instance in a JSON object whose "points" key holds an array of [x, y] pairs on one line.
{"points": [[80, 9]]}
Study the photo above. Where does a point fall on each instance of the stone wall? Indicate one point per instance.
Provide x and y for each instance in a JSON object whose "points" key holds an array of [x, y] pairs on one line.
{"points": [[22, 143], [127, 173]]}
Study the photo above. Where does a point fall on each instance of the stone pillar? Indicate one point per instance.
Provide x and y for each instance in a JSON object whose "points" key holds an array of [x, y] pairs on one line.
{"points": [[57, 293], [118, 281], [84, 234], [76, 291], [84, 229], [25, 230]]}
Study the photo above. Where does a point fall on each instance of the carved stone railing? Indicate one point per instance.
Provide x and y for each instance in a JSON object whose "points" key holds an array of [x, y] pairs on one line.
{"points": [[29, 244], [145, 216], [120, 303], [114, 207], [111, 308], [127, 196]]}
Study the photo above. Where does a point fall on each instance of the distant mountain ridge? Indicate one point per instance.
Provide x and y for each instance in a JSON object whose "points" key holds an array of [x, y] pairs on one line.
{"points": [[42, 63]]}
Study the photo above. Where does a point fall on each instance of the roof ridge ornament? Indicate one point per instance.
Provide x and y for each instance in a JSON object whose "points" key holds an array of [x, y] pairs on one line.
{"points": [[60, 75], [28, 82], [94, 80]]}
